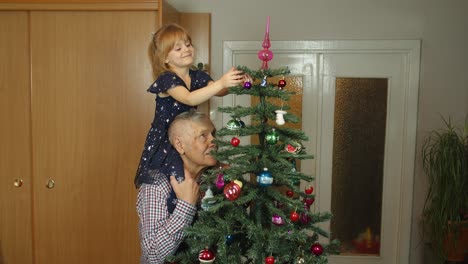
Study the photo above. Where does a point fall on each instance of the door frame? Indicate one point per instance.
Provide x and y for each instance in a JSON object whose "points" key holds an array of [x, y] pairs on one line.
{"points": [[313, 73]]}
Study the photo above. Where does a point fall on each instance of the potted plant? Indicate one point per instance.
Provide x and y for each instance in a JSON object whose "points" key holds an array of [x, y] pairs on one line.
{"points": [[445, 163]]}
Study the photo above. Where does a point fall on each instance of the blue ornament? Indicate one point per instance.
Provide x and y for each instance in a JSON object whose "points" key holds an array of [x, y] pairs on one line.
{"points": [[229, 239], [242, 124], [264, 178]]}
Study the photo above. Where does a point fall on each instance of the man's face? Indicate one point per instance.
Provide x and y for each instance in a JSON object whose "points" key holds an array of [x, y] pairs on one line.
{"points": [[198, 144]]}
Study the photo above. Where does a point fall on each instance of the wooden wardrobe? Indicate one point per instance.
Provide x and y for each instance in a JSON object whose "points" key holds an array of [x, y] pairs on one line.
{"points": [[74, 114]]}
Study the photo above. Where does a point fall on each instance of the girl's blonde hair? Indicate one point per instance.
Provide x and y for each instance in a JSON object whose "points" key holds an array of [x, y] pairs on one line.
{"points": [[162, 43]]}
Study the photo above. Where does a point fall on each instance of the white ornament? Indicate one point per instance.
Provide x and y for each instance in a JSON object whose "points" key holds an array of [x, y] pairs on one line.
{"points": [[280, 117], [205, 203]]}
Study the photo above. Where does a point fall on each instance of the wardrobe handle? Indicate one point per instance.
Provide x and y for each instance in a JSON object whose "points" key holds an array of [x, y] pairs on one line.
{"points": [[18, 183], [50, 184]]}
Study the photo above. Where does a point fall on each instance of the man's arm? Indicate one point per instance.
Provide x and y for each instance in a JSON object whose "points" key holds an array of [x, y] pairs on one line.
{"points": [[161, 233]]}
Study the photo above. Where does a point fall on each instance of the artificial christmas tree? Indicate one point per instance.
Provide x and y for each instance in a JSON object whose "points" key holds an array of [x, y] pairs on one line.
{"points": [[254, 210]]}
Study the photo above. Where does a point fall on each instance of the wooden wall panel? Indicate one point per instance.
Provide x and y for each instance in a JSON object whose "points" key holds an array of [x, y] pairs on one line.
{"points": [[91, 113], [15, 140]]}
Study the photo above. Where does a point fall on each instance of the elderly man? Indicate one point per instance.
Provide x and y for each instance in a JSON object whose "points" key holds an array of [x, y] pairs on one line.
{"points": [[162, 216]]}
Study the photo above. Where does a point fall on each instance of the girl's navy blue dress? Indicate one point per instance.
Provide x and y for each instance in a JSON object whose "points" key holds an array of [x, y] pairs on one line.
{"points": [[159, 157]]}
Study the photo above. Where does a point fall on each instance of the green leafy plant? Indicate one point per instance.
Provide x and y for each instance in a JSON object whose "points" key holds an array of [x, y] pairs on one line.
{"points": [[445, 163]]}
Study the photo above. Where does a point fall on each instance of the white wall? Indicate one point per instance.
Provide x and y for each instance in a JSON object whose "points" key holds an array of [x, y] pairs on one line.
{"points": [[441, 25]]}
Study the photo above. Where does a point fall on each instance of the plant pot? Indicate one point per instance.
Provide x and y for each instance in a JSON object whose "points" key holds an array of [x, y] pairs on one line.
{"points": [[457, 253]]}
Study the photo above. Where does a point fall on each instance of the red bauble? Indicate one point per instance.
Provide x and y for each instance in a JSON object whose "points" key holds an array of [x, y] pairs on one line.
{"points": [[294, 216], [235, 142], [289, 193], [281, 83], [232, 190], [316, 249], [269, 260], [309, 190], [206, 256]]}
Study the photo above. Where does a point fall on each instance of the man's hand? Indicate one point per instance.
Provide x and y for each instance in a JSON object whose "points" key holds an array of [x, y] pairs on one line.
{"points": [[188, 190]]}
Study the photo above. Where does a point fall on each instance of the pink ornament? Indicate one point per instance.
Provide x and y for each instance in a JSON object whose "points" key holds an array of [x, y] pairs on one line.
{"points": [[277, 220], [266, 40], [220, 181], [266, 55]]}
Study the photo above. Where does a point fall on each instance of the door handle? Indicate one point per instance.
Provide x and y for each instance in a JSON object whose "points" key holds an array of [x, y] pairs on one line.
{"points": [[18, 183], [50, 184]]}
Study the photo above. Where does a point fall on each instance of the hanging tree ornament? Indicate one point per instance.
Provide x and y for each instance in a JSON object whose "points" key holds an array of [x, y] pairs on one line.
{"points": [[309, 201], [206, 256], [294, 216], [247, 81], [266, 55], [233, 124], [281, 84], [272, 137], [300, 259], [264, 178], [229, 239], [232, 190], [270, 260], [220, 180], [295, 180], [207, 201], [316, 249], [277, 220], [280, 117], [293, 147], [264, 82], [304, 217], [235, 142], [241, 123]]}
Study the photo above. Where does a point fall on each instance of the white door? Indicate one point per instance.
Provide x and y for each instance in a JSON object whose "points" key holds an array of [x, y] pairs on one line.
{"points": [[323, 67]]}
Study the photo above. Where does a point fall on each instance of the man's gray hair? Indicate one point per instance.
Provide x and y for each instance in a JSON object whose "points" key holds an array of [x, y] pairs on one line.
{"points": [[191, 115]]}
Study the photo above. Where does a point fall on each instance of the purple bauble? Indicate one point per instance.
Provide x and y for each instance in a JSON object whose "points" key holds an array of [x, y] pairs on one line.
{"points": [[247, 85], [277, 220]]}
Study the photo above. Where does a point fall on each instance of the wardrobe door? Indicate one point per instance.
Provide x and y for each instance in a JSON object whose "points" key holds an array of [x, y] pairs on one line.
{"points": [[90, 115], [15, 140]]}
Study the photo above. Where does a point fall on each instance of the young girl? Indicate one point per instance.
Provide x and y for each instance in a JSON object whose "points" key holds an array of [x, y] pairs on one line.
{"points": [[178, 89]]}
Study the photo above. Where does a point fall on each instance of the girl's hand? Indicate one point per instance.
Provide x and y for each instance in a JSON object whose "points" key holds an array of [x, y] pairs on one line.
{"points": [[232, 78]]}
